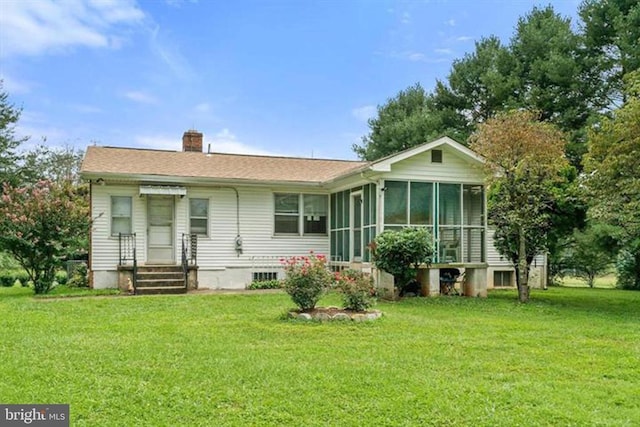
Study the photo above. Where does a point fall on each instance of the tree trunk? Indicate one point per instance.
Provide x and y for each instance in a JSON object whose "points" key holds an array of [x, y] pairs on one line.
{"points": [[523, 276]]}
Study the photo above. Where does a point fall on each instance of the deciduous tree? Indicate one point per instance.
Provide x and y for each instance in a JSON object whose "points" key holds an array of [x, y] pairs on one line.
{"points": [[41, 225], [612, 168], [524, 158], [586, 257]]}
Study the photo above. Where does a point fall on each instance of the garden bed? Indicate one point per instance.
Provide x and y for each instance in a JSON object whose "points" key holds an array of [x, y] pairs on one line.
{"points": [[326, 314]]}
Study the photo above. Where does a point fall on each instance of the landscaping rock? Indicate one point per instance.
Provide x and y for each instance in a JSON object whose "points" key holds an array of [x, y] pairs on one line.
{"points": [[341, 316], [359, 317], [323, 317], [373, 315], [304, 316]]}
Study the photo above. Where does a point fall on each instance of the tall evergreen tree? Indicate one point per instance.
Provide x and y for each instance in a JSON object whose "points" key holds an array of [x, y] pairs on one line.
{"points": [[9, 143], [611, 31], [409, 119]]}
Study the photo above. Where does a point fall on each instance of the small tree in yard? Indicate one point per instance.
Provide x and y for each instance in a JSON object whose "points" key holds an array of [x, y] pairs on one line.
{"points": [[400, 253], [41, 225], [586, 256], [524, 159]]}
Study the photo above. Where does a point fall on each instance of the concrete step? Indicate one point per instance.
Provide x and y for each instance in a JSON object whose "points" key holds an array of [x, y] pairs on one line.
{"points": [[159, 275], [147, 268], [156, 290], [159, 282]]}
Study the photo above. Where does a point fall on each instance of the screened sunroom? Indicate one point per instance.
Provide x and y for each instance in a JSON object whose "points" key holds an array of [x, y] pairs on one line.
{"points": [[454, 214]]}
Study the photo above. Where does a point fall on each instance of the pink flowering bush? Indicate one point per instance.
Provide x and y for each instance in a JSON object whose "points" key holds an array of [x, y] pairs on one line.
{"points": [[41, 225], [358, 291], [307, 279]]}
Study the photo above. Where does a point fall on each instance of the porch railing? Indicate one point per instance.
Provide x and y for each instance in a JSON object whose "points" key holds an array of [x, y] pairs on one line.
{"points": [[189, 254], [127, 253]]}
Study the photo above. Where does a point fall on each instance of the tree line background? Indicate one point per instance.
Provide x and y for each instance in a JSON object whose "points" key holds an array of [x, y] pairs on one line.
{"points": [[582, 79]]}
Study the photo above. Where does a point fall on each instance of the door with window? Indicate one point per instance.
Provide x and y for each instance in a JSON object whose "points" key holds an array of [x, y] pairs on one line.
{"points": [[160, 236]]}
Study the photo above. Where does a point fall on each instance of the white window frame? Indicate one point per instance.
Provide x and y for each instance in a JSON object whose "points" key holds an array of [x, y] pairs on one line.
{"points": [[206, 218], [300, 215], [112, 215]]}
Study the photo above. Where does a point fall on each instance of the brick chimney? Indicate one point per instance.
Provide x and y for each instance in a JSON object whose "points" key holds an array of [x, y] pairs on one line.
{"points": [[192, 141]]}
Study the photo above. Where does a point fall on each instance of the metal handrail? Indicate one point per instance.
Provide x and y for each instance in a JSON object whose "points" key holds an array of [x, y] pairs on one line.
{"points": [[127, 251], [189, 254]]}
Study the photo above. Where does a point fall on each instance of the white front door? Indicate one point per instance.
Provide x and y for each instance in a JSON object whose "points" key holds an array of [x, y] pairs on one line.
{"points": [[160, 241]]}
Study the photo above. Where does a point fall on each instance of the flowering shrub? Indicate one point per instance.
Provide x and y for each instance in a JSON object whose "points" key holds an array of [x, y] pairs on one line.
{"points": [[307, 279], [358, 292], [41, 225]]}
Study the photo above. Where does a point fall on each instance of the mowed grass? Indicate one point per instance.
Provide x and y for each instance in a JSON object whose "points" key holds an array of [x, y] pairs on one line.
{"points": [[570, 357]]}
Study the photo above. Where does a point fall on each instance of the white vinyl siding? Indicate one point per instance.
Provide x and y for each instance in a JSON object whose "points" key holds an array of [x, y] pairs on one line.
{"points": [[104, 246], [256, 229]]}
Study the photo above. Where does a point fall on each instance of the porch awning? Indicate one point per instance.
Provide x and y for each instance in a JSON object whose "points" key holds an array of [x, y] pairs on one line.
{"points": [[164, 190]]}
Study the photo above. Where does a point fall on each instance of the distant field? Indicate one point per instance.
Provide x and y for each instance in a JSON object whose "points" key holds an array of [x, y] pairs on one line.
{"points": [[570, 357], [608, 281]]}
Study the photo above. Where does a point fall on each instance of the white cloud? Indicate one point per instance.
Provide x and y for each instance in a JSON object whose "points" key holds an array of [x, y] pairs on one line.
{"points": [[416, 56], [406, 18], [222, 142], [202, 108], [226, 142], [451, 22], [464, 38], [159, 142], [411, 56], [49, 26], [140, 97], [178, 3], [443, 51], [364, 113], [14, 86], [169, 53]]}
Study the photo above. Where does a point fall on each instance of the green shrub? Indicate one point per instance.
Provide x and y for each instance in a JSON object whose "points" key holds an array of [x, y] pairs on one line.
{"points": [[307, 279], [628, 269], [399, 253], [266, 284], [20, 276], [358, 292], [79, 278], [7, 262], [7, 278], [61, 277]]}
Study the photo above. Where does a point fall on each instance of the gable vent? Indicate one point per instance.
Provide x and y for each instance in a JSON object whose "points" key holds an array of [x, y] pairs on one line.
{"points": [[436, 156]]}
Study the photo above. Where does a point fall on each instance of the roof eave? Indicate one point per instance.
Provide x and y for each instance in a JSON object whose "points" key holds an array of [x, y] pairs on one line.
{"points": [[172, 179]]}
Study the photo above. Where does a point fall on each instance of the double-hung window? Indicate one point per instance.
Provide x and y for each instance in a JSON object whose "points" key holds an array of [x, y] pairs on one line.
{"points": [[295, 212], [120, 215], [199, 216]]}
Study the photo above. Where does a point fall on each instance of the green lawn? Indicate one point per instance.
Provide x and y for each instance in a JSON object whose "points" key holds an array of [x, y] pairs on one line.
{"points": [[570, 357]]}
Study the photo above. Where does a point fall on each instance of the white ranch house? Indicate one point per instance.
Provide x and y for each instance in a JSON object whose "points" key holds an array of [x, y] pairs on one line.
{"points": [[211, 220]]}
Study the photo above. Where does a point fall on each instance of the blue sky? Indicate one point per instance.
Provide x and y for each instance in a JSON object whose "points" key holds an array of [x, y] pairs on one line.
{"points": [[284, 77]]}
